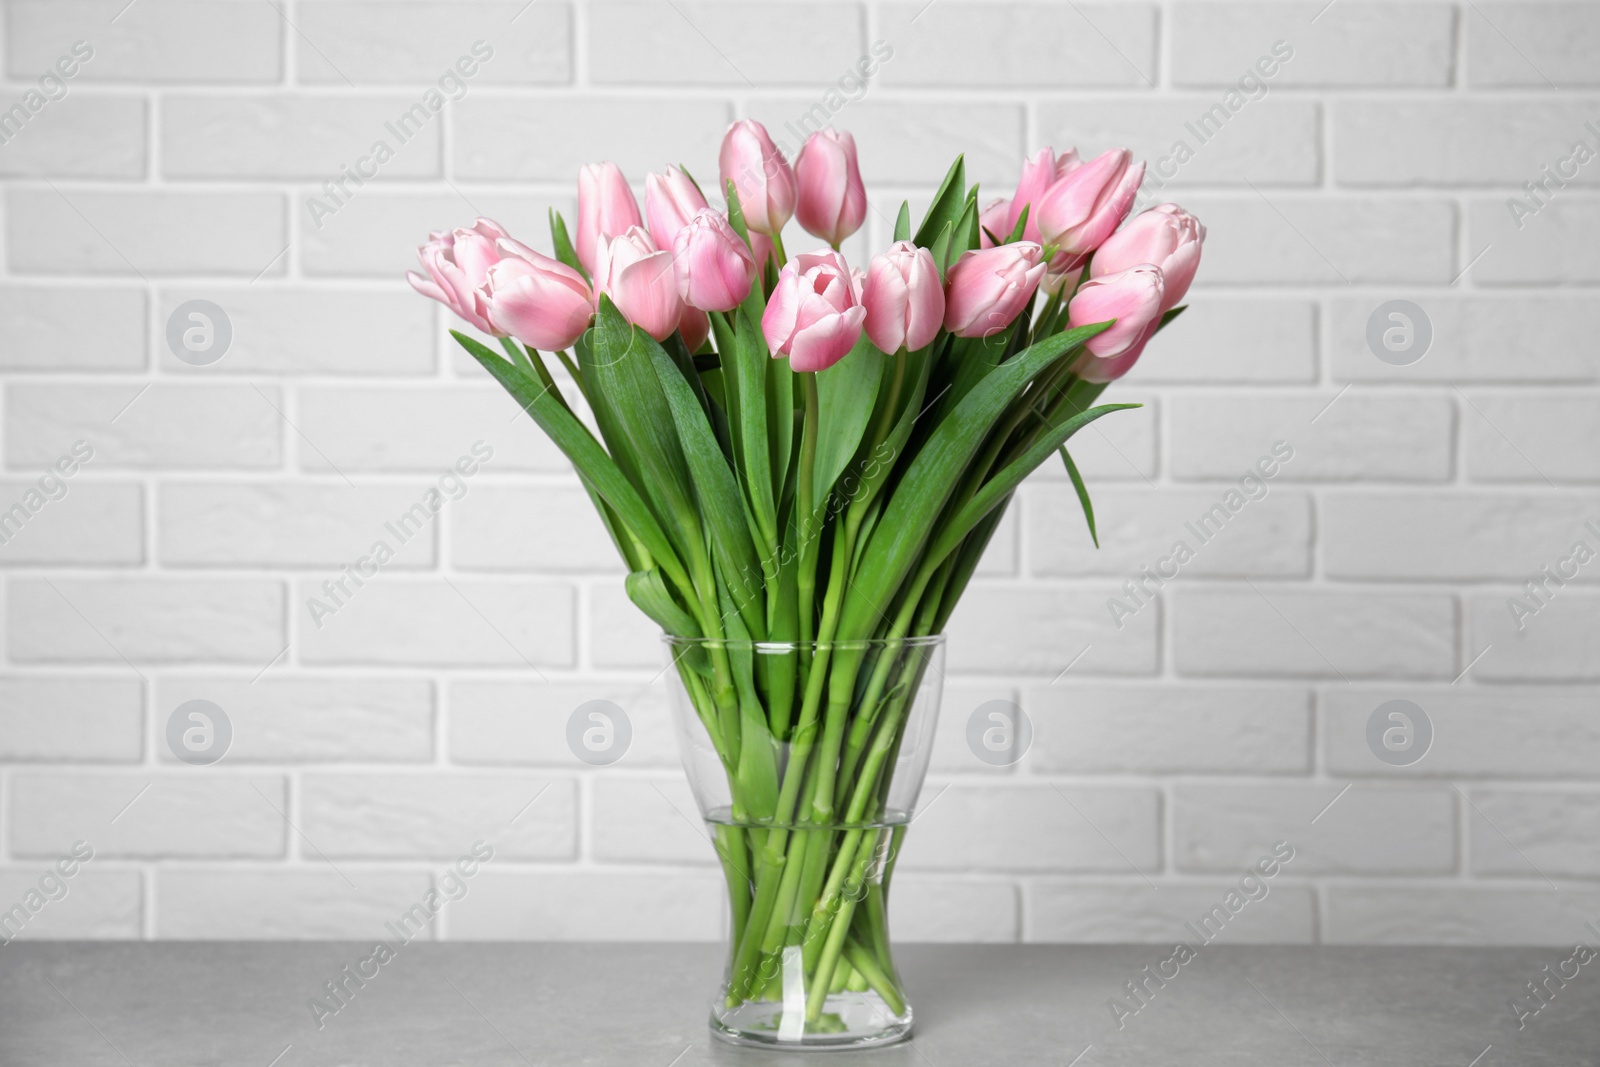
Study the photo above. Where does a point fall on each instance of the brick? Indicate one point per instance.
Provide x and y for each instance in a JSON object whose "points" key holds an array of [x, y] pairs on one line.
{"points": [[513, 722], [1142, 527], [1560, 643], [373, 43], [58, 719], [521, 528], [132, 426], [284, 524], [265, 903], [1223, 339], [309, 137], [1039, 630], [1548, 247], [95, 522], [1043, 45], [377, 233], [1354, 437], [1137, 914], [1037, 828], [456, 622], [100, 904], [591, 906], [82, 231], [942, 909], [1418, 142], [1148, 729], [164, 41], [178, 816], [79, 136], [439, 816], [1464, 536], [654, 820], [620, 635], [1192, 139], [1530, 833], [1281, 238], [1122, 447], [491, 135], [354, 430], [999, 558], [1277, 631], [1537, 45], [307, 719], [1457, 915], [150, 620], [35, 318], [1346, 45], [1527, 437], [1472, 337], [959, 702], [1554, 729], [1370, 830], [712, 43], [912, 142]]}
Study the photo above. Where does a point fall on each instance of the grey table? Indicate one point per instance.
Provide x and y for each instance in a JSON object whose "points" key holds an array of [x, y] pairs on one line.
{"points": [[176, 1004]]}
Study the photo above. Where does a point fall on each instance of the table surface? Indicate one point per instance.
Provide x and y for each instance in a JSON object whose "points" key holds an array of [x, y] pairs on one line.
{"points": [[176, 1004]]}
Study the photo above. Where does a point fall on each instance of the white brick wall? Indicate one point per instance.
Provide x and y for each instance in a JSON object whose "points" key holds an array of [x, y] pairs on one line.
{"points": [[429, 711]]}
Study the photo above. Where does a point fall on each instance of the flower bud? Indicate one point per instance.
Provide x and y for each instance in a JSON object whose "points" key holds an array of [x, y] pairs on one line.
{"points": [[989, 287], [1166, 236], [832, 202], [1039, 172], [1133, 298], [814, 315], [638, 277], [457, 262], [670, 201], [760, 175], [714, 266], [606, 208], [540, 301], [904, 298], [1083, 208]]}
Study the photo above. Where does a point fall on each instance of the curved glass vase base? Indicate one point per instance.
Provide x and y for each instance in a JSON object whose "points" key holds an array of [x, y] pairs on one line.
{"points": [[806, 763]]}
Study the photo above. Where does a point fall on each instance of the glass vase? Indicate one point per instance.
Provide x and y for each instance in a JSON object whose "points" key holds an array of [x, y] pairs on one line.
{"points": [[806, 761]]}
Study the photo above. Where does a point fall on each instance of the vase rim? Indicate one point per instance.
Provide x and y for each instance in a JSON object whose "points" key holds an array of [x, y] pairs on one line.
{"points": [[776, 647]]}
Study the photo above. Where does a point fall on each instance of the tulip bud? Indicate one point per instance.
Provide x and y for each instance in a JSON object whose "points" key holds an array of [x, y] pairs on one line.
{"points": [[540, 301], [814, 315], [457, 262], [638, 278], [832, 202], [670, 201], [987, 288], [1083, 208], [695, 327], [1132, 297], [903, 297], [1039, 172], [606, 208], [760, 175], [1167, 236], [714, 266]]}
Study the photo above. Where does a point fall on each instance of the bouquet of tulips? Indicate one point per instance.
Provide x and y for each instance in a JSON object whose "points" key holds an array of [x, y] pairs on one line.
{"points": [[798, 457]]}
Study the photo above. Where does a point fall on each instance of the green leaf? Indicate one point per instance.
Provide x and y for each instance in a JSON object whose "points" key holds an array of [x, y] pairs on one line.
{"points": [[941, 248], [847, 392], [947, 205], [1017, 230], [745, 373], [902, 223], [1170, 315], [563, 244], [1082, 491], [648, 590]]}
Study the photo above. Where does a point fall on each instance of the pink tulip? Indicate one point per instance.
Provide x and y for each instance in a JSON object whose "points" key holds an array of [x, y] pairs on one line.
{"points": [[606, 208], [638, 278], [761, 249], [1039, 172], [1133, 298], [1082, 209], [832, 202], [540, 301], [695, 327], [989, 287], [992, 219], [714, 266], [814, 316], [1167, 236], [903, 297], [457, 262], [670, 201], [760, 175]]}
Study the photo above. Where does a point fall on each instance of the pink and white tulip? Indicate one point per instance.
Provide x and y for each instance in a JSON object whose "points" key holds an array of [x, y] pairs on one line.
{"points": [[904, 298], [606, 208], [639, 279], [1166, 236], [1132, 297], [670, 201], [987, 288], [1083, 208], [814, 316], [540, 301], [1039, 172], [457, 262], [831, 201], [714, 266], [761, 176]]}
